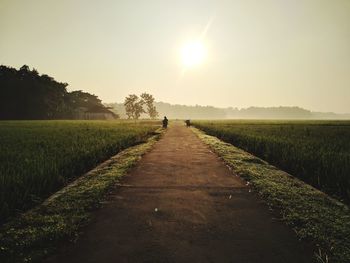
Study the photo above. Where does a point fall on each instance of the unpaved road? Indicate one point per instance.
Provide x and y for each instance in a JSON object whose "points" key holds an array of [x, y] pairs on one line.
{"points": [[204, 214]]}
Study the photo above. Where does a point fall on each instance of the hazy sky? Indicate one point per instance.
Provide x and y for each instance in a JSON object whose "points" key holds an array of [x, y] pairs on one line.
{"points": [[259, 53]]}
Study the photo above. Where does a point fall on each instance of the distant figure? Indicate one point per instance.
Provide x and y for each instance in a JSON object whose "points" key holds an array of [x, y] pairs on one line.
{"points": [[188, 123], [165, 122]]}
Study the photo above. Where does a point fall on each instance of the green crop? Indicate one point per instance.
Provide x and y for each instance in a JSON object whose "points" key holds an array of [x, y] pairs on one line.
{"points": [[39, 157], [317, 152]]}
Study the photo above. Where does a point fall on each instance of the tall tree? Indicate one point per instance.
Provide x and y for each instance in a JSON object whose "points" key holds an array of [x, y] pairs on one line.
{"points": [[24, 94], [134, 106], [151, 108]]}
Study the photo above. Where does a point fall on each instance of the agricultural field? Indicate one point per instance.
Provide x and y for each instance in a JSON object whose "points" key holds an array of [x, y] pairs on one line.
{"points": [[39, 157], [317, 152]]}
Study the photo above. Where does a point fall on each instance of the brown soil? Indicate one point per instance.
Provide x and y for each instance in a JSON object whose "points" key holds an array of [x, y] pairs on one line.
{"points": [[182, 204]]}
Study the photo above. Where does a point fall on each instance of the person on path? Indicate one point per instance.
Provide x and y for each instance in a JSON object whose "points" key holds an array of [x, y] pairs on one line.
{"points": [[165, 122]]}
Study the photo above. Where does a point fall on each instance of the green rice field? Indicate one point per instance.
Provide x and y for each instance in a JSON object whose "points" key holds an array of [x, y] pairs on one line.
{"points": [[39, 157], [317, 152]]}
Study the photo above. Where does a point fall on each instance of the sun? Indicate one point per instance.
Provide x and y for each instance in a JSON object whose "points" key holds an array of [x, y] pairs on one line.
{"points": [[193, 54]]}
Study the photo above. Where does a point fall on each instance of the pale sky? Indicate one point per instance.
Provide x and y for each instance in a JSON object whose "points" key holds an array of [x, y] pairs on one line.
{"points": [[259, 53]]}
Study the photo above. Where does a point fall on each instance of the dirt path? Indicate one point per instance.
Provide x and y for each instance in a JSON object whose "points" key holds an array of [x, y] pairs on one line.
{"points": [[205, 214]]}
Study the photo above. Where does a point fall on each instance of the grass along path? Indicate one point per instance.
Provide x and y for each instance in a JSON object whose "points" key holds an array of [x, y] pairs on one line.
{"points": [[311, 213], [35, 234]]}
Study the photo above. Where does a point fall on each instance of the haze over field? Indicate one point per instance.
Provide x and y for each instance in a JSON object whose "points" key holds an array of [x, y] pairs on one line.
{"points": [[220, 53], [197, 112]]}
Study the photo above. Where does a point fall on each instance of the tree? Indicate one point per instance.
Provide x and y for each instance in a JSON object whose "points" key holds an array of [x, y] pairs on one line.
{"points": [[149, 101], [25, 94], [80, 98], [133, 106]]}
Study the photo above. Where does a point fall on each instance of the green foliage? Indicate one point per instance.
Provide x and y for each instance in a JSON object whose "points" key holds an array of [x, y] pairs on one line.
{"points": [[312, 214], [317, 152], [149, 101], [39, 157], [33, 235], [134, 106], [24, 94]]}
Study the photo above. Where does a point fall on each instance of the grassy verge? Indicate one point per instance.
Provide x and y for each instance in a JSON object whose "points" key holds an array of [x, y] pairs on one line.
{"points": [[34, 234], [311, 213]]}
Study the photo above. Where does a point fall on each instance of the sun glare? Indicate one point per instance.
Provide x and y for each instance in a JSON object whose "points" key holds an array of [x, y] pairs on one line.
{"points": [[192, 54]]}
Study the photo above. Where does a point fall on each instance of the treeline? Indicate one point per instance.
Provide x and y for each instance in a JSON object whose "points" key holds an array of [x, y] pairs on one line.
{"points": [[25, 94], [175, 111], [270, 113]]}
